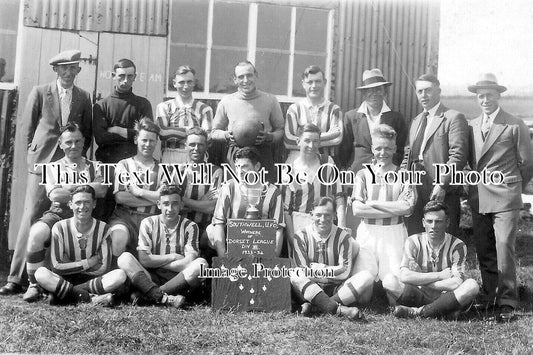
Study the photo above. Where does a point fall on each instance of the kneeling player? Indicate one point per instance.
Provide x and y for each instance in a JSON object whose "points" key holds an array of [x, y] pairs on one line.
{"points": [[81, 256], [168, 262], [324, 246], [432, 281]]}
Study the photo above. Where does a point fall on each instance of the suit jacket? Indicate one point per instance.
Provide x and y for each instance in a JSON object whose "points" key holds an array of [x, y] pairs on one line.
{"points": [[447, 142], [42, 119], [356, 147], [507, 148]]}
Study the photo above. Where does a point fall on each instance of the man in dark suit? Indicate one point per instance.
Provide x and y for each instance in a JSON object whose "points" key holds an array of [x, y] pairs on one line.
{"points": [[356, 147], [500, 143], [438, 135], [48, 107]]}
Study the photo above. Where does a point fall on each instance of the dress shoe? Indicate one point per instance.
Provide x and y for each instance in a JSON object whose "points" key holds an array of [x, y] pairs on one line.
{"points": [[506, 314], [11, 288]]}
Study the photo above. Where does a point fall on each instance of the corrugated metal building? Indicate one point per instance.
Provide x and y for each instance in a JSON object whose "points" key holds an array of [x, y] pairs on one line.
{"points": [[281, 37]]}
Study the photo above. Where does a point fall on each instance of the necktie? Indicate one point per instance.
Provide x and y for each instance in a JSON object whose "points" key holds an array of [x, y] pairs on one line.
{"points": [[485, 127], [417, 144], [65, 106]]}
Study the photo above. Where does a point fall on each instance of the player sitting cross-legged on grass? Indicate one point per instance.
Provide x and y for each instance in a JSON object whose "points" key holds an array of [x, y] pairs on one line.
{"points": [[323, 247], [168, 264], [432, 282], [58, 189], [81, 256]]}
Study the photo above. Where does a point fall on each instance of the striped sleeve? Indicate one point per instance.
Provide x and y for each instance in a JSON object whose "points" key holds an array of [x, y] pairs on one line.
{"points": [[102, 248], [291, 127], [276, 209], [206, 116], [121, 168], [299, 256], [458, 259], [216, 178], [344, 263], [223, 207], [359, 190], [334, 124], [61, 266], [145, 235], [410, 255], [191, 233], [408, 194]]}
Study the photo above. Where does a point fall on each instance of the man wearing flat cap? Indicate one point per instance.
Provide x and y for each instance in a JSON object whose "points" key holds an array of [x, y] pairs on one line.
{"points": [[438, 135], [500, 143], [48, 107], [356, 147]]}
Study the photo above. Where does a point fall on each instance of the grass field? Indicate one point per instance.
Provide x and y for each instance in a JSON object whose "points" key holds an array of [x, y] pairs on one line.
{"points": [[126, 329]]}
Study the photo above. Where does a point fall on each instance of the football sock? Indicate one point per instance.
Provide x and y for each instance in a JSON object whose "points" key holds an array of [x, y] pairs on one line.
{"points": [[325, 303], [445, 304], [147, 287], [178, 285], [34, 260], [94, 286]]}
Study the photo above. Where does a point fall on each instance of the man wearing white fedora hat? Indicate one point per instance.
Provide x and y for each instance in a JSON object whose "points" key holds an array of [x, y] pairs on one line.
{"points": [[356, 147], [438, 137], [500, 143]]}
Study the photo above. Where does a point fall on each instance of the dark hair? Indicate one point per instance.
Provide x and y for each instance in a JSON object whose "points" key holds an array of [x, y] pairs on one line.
{"points": [[184, 69], [309, 127], [248, 153], [69, 127], [435, 206], [429, 77], [84, 188], [147, 125], [245, 63], [170, 190], [384, 131], [197, 131], [313, 69], [324, 200], [124, 63]]}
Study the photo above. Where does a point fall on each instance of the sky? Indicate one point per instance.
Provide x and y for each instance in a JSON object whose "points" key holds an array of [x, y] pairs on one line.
{"points": [[479, 36]]}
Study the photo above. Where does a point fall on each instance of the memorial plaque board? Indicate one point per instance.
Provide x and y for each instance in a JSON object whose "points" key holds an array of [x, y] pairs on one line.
{"points": [[251, 284], [251, 237]]}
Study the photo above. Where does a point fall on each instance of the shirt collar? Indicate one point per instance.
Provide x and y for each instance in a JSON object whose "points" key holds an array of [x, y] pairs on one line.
{"points": [[308, 103], [433, 110], [61, 90], [180, 103], [366, 110], [493, 115]]}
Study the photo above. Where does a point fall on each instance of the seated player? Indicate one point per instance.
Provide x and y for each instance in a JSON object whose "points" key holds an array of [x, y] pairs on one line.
{"points": [[381, 205], [168, 262], [199, 200], [323, 246], [432, 281], [299, 197], [76, 168], [81, 256], [232, 202], [137, 180], [177, 115]]}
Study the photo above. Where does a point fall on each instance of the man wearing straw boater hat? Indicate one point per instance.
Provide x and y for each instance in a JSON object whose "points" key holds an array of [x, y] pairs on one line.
{"points": [[501, 143], [48, 107], [438, 135], [356, 148]]}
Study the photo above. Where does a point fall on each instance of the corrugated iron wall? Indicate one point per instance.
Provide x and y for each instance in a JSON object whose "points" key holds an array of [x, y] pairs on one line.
{"points": [[399, 37], [147, 17]]}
